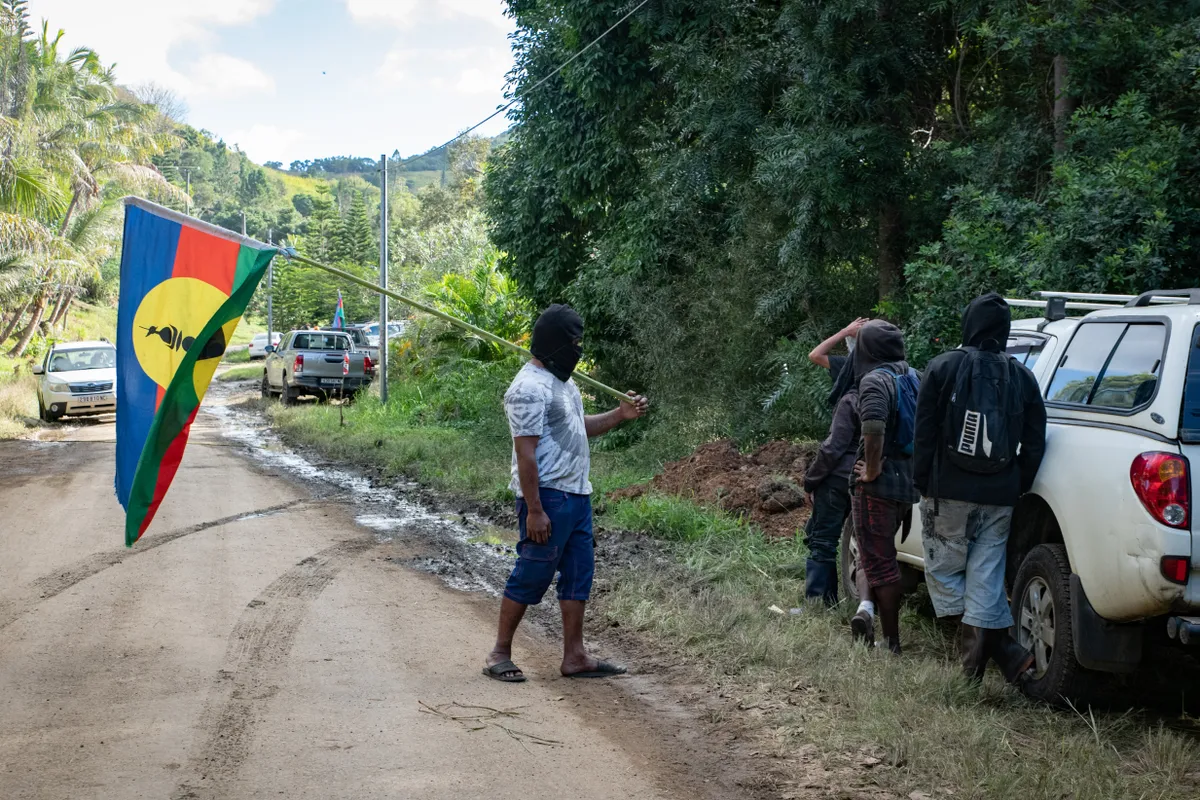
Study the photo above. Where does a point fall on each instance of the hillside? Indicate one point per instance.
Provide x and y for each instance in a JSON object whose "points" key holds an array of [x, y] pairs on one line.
{"points": [[421, 170]]}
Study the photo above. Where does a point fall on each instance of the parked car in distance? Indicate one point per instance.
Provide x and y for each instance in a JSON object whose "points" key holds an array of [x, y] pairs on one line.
{"points": [[258, 345], [1105, 543], [77, 380], [395, 328], [318, 364]]}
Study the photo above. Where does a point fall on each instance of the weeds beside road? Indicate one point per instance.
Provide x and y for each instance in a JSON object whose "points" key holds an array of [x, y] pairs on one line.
{"points": [[835, 719]]}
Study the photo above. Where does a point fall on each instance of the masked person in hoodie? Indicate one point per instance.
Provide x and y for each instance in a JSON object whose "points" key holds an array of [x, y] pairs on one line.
{"points": [[550, 465], [827, 480], [882, 493], [980, 436]]}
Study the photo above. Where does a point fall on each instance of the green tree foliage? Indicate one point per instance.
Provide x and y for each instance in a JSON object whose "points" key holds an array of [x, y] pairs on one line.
{"points": [[71, 144], [718, 184]]}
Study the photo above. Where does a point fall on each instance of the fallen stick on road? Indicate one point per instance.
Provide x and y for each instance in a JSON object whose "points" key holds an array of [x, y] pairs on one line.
{"points": [[488, 718]]}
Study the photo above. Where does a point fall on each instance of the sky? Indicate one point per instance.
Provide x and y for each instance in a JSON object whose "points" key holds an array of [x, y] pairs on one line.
{"points": [[303, 79]]}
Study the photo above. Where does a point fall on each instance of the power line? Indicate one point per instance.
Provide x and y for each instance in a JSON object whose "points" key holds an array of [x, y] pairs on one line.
{"points": [[513, 102]]}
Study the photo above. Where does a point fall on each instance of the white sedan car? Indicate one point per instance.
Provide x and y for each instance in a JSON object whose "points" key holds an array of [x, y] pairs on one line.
{"points": [[76, 380], [258, 345]]}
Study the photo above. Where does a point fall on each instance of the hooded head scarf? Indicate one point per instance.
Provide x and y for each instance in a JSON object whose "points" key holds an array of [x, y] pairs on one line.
{"points": [[843, 378], [879, 343], [555, 340], [986, 323]]}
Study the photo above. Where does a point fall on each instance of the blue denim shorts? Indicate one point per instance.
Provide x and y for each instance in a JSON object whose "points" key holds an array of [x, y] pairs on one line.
{"points": [[966, 548], [569, 552]]}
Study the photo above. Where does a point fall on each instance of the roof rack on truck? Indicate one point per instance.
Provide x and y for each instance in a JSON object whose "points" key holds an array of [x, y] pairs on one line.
{"points": [[1056, 304]]}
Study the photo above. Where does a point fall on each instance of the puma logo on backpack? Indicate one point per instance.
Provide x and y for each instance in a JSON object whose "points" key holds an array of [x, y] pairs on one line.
{"points": [[986, 413]]}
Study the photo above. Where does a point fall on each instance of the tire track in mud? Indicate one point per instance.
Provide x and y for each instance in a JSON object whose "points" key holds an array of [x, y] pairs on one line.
{"points": [[259, 644], [56, 583]]}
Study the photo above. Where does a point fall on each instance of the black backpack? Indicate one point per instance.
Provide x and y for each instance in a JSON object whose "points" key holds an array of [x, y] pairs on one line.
{"points": [[986, 413]]}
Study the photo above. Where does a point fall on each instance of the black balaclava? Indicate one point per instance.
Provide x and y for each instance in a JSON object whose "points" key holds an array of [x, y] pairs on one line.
{"points": [[555, 336], [879, 343], [986, 323]]}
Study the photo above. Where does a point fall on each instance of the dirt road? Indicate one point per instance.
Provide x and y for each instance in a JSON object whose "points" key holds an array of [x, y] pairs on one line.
{"points": [[267, 639]]}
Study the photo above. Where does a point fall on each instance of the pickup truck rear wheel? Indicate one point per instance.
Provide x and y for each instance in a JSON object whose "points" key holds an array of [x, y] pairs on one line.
{"points": [[266, 386], [848, 556], [1041, 606], [287, 395]]}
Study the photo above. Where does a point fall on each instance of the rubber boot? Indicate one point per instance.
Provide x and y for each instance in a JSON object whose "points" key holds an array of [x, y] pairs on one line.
{"points": [[887, 601], [821, 581], [1014, 661], [973, 643]]}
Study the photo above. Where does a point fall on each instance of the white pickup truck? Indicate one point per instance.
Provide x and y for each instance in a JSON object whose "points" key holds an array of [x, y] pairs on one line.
{"points": [[1102, 545]]}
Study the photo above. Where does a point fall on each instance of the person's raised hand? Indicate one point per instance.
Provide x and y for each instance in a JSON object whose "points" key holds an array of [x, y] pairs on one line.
{"points": [[854, 327], [636, 406]]}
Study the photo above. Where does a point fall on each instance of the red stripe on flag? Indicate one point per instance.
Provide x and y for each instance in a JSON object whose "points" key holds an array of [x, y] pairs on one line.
{"points": [[206, 257], [166, 471]]}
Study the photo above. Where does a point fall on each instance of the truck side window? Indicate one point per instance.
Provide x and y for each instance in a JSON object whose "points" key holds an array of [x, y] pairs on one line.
{"points": [[1110, 365], [1131, 376], [1086, 356], [1025, 350]]}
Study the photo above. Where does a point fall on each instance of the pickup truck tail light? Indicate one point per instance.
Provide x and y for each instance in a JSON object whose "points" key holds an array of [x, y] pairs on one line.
{"points": [[368, 364], [345, 364], [1161, 483], [298, 364]]}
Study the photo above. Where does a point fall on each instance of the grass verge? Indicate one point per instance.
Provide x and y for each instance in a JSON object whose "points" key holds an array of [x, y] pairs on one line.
{"points": [[246, 373], [932, 730], [880, 724]]}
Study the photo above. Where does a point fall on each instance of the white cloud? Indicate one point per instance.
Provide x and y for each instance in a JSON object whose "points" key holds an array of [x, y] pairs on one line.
{"points": [[221, 74], [268, 142], [139, 34], [395, 12], [478, 70], [404, 13], [394, 68]]}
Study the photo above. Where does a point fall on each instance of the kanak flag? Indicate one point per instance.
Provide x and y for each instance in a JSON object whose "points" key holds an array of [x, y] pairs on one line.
{"points": [[184, 287]]}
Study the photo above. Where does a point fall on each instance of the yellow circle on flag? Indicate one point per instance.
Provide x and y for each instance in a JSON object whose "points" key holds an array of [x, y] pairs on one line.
{"points": [[165, 326]]}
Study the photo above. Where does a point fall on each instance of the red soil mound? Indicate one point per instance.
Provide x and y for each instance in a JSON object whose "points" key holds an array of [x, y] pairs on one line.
{"points": [[764, 487]]}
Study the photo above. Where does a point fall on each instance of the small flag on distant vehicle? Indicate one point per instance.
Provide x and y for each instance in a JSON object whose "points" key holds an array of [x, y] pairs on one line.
{"points": [[184, 287], [339, 316]]}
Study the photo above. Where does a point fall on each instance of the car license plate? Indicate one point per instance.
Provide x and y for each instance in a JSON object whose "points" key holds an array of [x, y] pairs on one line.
{"points": [[331, 381], [95, 398]]}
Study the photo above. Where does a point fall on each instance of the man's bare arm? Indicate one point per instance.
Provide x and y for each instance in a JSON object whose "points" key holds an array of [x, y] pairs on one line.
{"points": [[820, 353], [600, 424], [537, 524], [869, 468]]}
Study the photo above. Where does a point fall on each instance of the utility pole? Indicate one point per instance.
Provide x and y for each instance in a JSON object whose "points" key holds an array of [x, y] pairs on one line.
{"points": [[270, 293], [188, 173], [383, 279]]}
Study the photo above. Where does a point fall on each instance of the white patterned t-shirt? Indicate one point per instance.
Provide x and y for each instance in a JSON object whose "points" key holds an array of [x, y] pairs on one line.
{"points": [[539, 404]]}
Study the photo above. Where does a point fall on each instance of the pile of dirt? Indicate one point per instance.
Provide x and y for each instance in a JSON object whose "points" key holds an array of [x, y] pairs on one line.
{"points": [[764, 487]]}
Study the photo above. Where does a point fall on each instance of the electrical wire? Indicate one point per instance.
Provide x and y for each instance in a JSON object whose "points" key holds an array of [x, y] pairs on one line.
{"points": [[514, 101]]}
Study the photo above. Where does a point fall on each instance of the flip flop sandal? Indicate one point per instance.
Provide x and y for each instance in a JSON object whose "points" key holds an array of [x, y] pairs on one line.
{"points": [[497, 672], [603, 670]]}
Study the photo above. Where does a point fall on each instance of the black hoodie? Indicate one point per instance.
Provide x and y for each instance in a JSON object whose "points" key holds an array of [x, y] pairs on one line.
{"points": [[986, 324]]}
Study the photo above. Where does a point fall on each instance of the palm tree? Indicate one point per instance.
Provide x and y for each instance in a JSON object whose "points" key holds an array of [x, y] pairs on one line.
{"points": [[72, 143]]}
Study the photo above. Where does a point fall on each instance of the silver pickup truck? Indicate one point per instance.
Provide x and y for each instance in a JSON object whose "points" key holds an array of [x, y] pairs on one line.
{"points": [[320, 364]]}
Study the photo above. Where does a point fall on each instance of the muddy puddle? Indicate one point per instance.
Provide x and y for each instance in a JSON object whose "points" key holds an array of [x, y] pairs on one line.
{"points": [[465, 551]]}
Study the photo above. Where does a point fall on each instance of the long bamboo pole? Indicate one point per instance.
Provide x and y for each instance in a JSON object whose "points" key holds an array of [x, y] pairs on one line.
{"points": [[428, 309]]}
